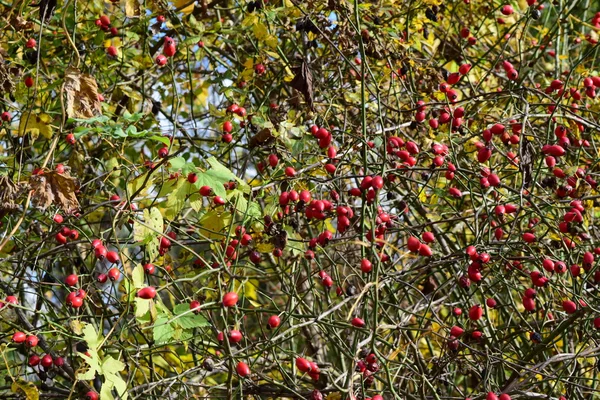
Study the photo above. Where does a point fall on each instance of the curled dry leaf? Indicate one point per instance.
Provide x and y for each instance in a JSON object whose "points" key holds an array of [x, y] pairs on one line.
{"points": [[9, 192], [54, 188], [7, 86], [262, 137], [82, 94], [303, 82], [20, 24]]}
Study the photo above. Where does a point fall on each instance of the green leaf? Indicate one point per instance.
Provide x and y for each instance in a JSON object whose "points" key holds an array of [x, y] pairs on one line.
{"points": [[164, 140], [196, 202], [137, 276], [150, 228], [187, 319], [176, 163], [176, 199], [162, 331], [142, 306], [91, 337]]}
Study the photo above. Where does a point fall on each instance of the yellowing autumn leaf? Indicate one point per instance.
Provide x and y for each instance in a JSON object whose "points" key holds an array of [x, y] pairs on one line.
{"points": [[185, 6], [260, 31], [27, 388], [35, 124], [132, 8]]}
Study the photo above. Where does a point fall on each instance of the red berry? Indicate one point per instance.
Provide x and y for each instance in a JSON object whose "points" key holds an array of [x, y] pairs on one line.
{"points": [[71, 280], [111, 51], [19, 337], [242, 369], [114, 274], [475, 312], [149, 269], [112, 257], [29, 81], [569, 306], [303, 365], [230, 299], [32, 341], [91, 395], [160, 60], [507, 9], [366, 266], [105, 20], [147, 293], [31, 43], [357, 322], [46, 361], [34, 360], [274, 321], [290, 172]]}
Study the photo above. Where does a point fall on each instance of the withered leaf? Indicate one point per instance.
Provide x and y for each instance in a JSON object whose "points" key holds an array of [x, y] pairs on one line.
{"points": [[54, 188], [19, 23], [82, 94], [9, 192], [526, 163], [262, 137], [7, 86], [303, 82]]}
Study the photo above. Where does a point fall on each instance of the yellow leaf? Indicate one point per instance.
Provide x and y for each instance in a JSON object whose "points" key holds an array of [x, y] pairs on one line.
{"points": [[185, 6], [28, 388], [260, 31], [36, 125], [132, 8], [265, 247], [271, 41], [212, 224]]}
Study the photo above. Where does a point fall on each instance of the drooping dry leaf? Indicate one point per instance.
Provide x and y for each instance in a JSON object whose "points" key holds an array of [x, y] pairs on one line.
{"points": [[526, 165], [9, 192], [19, 23], [7, 86], [132, 8], [52, 187], [303, 82], [82, 94], [262, 137]]}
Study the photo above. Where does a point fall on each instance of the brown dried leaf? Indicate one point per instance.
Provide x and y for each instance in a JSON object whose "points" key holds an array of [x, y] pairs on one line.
{"points": [[262, 137], [303, 82], [7, 86], [526, 164], [82, 94], [9, 192], [52, 187], [19, 23]]}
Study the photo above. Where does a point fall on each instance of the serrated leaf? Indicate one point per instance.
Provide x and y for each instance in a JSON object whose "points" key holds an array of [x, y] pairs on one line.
{"points": [[196, 202], [176, 163], [177, 197], [187, 319], [162, 331], [36, 124]]}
